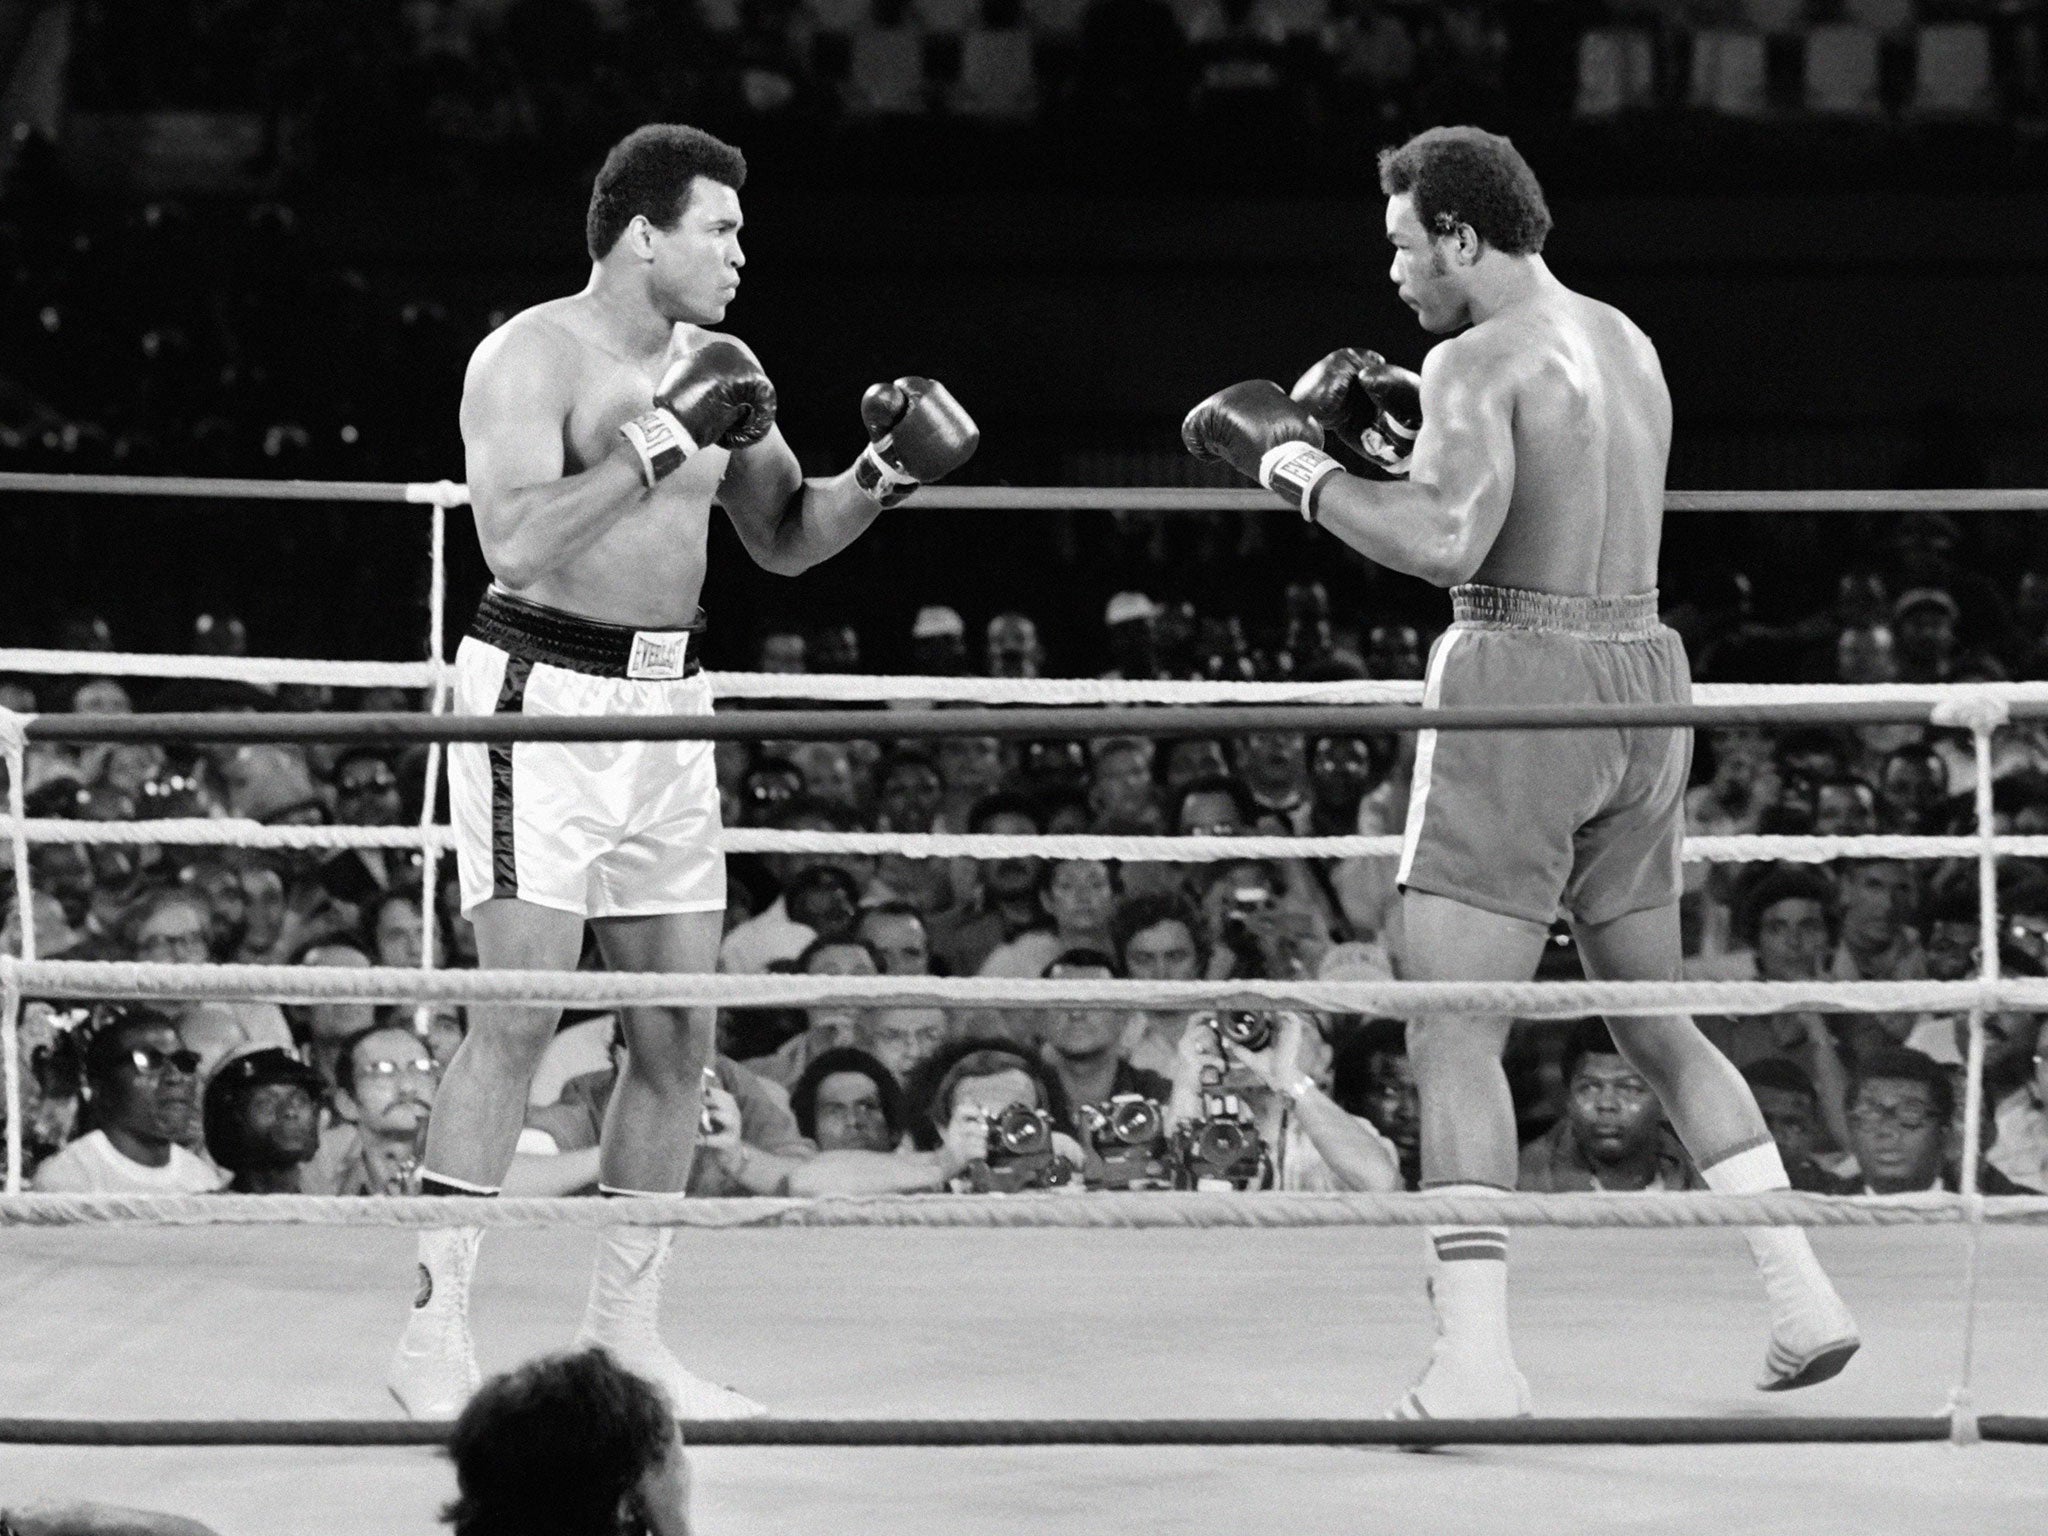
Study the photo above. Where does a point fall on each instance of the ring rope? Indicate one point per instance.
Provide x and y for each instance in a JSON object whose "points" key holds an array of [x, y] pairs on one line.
{"points": [[857, 687], [14, 759], [230, 832], [927, 1433], [1164, 722], [438, 701], [259, 671], [1003, 498], [1099, 1210], [1963, 1426], [704, 989]]}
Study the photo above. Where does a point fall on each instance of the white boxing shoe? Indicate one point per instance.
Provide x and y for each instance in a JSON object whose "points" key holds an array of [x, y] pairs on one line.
{"points": [[1810, 1347], [1466, 1383], [433, 1373], [690, 1396]]}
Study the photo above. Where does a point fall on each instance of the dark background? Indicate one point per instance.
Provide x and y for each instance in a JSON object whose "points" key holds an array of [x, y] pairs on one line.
{"points": [[1837, 304]]}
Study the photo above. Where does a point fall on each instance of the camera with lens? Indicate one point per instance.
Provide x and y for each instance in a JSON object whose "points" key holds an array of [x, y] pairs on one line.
{"points": [[1128, 1135], [1221, 1147], [1245, 1029], [1020, 1154]]}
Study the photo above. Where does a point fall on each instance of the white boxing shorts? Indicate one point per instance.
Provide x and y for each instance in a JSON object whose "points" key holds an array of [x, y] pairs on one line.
{"points": [[601, 828]]}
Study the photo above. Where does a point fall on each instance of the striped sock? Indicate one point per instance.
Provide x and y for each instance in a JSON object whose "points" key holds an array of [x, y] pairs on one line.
{"points": [[1468, 1274]]}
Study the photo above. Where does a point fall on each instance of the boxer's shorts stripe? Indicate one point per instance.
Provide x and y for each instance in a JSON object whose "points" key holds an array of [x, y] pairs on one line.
{"points": [[504, 856]]}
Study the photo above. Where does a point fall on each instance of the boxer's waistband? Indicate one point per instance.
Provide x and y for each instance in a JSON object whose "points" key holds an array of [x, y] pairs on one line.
{"points": [[557, 639], [1630, 617]]}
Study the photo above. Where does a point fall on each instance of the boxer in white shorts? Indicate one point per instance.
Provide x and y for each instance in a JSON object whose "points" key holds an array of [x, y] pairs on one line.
{"points": [[602, 829], [600, 431]]}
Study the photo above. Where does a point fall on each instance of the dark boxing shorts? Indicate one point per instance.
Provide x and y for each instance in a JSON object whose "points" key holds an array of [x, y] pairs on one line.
{"points": [[1528, 823]]}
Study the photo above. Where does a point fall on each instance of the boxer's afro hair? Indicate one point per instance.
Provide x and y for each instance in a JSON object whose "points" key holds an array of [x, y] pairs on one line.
{"points": [[1469, 176], [648, 173]]}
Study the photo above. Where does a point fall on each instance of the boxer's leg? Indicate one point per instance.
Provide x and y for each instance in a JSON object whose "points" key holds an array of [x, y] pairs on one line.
{"points": [[1468, 1143], [650, 1137], [1715, 1114], [479, 1108]]}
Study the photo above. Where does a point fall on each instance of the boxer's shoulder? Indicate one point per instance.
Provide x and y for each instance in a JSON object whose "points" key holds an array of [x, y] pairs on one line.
{"points": [[694, 338], [541, 342]]}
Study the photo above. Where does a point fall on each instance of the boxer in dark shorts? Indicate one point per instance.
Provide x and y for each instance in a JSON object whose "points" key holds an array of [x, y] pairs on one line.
{"points": [[1529, 460], [1531, 823]]}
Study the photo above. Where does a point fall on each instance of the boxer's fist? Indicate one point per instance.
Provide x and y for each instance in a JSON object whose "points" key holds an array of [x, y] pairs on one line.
{"points": [[1264, 436], [717, 394], [1241, 423], [1390, 441], [917, 432], [1367, 402], [1330, 392]]}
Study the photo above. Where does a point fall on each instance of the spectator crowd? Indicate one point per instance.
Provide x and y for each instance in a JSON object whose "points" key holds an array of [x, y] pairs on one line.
{"points": [[333, 1097]]}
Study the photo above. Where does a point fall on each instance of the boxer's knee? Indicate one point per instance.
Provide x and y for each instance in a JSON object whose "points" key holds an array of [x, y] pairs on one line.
{"points": [[512, 1039], [667, 1048]]}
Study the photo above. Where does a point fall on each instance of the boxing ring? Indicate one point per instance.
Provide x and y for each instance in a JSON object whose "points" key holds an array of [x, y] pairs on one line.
{"points": [[1108, 1362]]}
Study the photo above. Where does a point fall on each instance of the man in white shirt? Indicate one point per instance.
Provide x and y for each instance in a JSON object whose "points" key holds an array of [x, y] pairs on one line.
{"points": [[140, 1084]]}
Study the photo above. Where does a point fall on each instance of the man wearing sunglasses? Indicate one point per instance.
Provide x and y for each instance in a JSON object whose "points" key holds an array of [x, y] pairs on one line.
{"points": [[140, 1095]]}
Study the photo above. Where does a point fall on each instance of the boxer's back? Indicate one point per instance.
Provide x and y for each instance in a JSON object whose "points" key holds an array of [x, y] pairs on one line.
{"points": [[1592, 431]]}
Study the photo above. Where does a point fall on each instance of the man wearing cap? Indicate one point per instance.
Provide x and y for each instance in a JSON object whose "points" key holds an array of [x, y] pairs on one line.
{"points": [[262, 1118], [1129, 620], [1924, 624], [938, 642]]}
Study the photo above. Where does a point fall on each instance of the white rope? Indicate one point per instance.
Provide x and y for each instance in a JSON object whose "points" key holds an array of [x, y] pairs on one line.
{"points": [[1982, 717], [1978, 709], [10, 1063], [227, 832], [259, 671], [579, 989], [14, 760], [829, 687], [1269, 1210], [438, 494], [437, 703]]}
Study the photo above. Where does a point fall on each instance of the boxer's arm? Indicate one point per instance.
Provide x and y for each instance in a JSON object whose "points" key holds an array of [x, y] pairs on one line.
{"points": [[1440, 522], [787, 523], [530, 518]]}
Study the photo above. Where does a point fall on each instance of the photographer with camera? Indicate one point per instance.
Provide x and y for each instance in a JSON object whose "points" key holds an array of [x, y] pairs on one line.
{"points": [[1121, 1108], [848, 1106], [1084, 1045], [1255, 928], [1011, 1114], [1248, 1066]]}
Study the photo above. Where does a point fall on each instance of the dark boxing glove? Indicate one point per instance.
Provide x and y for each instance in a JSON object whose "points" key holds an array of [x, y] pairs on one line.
{"points": [[1264, 436], [718, 394], [1367, 402], [917, 432]]}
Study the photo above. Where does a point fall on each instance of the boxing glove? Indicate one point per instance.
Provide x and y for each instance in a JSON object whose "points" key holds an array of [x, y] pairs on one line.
{"points": [[917, 432], [1264, 436], [717, 394], [1367, 402]]}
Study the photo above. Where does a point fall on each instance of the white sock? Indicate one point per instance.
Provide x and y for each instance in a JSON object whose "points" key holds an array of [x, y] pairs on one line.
{"points": [[447, 1261], [1468, 1273], [1792, 1275], [625, 1285]]}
